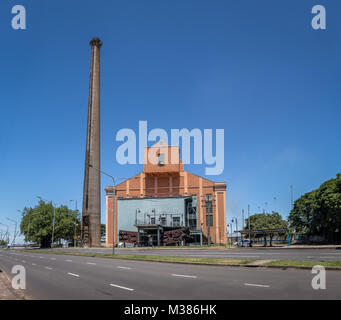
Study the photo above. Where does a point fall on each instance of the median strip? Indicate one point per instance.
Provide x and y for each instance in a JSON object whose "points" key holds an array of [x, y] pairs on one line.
{"points": [[228, 262]]}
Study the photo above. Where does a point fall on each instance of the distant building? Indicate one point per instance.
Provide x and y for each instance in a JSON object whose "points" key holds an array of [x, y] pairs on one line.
{"points": [[166, 197]]}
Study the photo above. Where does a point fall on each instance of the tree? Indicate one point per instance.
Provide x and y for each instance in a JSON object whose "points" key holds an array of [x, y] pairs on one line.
{"points": [[261, 221], [319, 212], [36, 224]]}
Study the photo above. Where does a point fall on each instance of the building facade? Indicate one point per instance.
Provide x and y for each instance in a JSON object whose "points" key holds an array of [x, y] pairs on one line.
{"points": [[166, 197]]}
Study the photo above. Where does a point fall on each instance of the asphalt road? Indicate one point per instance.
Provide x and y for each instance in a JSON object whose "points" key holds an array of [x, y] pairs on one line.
{"points": [[54, 277], [252, 253]]}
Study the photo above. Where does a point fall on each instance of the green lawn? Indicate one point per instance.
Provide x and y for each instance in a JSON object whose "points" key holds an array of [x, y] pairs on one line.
{"points": [[299, 263], [222, 261]]}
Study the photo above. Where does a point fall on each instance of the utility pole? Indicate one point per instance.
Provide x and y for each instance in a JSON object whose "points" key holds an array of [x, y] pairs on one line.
{"points": [[292, 196], [243, 221], [75, 234], [248, 220]]}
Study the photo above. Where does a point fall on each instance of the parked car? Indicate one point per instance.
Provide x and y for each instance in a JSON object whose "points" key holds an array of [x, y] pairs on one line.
{"points": [[244, 243]]}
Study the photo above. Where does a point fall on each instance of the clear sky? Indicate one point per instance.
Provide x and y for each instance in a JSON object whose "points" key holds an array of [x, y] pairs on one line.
{"points": [[254, 68]]}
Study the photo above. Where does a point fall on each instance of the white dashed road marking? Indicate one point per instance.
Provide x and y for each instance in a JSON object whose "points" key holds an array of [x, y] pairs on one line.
{"points": [[48, 268], [126, 268], [120, 287], [73, 274], [92, 263], [256, 285], [183, 276]]}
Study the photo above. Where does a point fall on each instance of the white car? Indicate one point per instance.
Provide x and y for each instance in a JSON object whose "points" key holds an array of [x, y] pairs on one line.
{"points": [[243, 243]]}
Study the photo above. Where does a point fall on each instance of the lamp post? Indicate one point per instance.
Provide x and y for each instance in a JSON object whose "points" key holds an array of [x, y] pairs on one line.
{"points": [[7, 233], [15, 230], [114, 199], [29, 223], [75, 233], [234, 219], [54, 216]]}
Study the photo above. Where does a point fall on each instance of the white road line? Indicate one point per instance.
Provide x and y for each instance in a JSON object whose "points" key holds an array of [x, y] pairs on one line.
{"points": [[48, 268], [68, 260], [73, 274], [256, 285], [183, 276], [41, 257], [33, 264], [124, 288], [126, 268], [92, 263], [53, 258]]}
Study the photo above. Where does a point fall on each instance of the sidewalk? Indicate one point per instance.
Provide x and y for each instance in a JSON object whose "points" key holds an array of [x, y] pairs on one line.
{"points": [[6, 290]]}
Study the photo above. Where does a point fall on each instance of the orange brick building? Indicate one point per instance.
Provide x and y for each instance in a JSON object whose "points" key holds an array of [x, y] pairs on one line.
{"points": [[165, 196]]}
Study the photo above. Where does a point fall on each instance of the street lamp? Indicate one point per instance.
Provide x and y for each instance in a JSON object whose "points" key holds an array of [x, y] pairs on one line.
{"points": [[234, 219], [15, 230], [29, 224], [114, 197], [75, 235], [54, 215], [7, 233]]}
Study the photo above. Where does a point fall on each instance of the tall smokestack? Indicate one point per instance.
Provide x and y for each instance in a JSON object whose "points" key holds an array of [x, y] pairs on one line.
{"points": [[91, 213]]}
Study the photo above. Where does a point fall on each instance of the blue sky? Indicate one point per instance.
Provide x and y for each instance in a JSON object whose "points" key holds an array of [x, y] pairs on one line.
{"points": [[254, 68]]}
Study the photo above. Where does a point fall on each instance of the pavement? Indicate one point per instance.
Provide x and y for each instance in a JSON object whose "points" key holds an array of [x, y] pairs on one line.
{"points": [[55, 277], [6, 290], [252, 253]]}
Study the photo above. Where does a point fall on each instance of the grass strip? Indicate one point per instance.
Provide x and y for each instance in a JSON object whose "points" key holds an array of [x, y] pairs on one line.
{"points": [[220, 261], [305, 263]]}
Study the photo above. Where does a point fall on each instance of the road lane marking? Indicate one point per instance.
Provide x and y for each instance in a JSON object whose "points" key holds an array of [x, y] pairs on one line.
{"points": [[183, 276], [53, 258], [68, 260], [73, 274], [33, 264], [120, 287], [48, 268], [41, 257], [256, 285], [126, 268], [92, 263], [23, 261]]}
